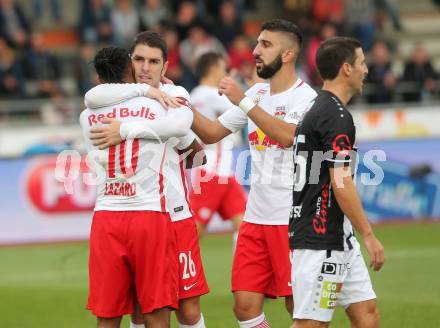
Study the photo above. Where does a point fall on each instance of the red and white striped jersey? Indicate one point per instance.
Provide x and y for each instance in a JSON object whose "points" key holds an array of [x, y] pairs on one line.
{"points": [[177, 187], [130, 176]]}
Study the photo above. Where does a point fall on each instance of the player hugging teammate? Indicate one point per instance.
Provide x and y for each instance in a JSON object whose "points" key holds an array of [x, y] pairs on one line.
{"points": [[144, 252]]}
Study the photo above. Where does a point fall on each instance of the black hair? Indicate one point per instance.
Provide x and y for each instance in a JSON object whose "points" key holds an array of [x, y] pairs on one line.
{"points": [[282, 25], [205, 62], [151, 39], [111, 64], [334, 52]]}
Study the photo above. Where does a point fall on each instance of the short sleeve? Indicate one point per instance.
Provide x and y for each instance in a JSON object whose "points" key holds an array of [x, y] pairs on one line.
{"points": [[186, 141], [233, 119], [337, 133]]}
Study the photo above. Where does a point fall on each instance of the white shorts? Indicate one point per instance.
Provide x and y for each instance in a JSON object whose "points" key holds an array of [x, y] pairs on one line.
{"points": [[319, 283]]}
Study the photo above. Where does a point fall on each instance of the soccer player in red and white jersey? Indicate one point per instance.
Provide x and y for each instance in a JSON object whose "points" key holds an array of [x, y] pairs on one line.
{"points": [[149, 58], [271, 112], [216, 189], [132, 252]]}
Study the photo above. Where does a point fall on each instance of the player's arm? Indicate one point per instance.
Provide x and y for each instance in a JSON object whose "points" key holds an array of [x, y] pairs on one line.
{"points": [[196, 155], [191, 151], [109, 94], [208, 131], [280, 131], [350, 203], [177, 123], [338, 136]]}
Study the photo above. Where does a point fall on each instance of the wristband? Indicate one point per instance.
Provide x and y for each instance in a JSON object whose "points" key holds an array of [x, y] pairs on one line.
{"points": [[246, 104]]}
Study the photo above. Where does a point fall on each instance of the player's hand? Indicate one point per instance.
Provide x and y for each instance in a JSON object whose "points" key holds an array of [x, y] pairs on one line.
{"points": [[375, 251], [166, 80], [230, 88], [106, 135], [164, 99]]}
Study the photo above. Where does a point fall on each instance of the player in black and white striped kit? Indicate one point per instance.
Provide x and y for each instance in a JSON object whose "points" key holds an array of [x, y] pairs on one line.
{"points": [[327, 266]]}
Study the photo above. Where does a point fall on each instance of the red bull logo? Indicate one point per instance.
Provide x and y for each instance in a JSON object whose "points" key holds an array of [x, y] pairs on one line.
{"points": [[261, 141]]}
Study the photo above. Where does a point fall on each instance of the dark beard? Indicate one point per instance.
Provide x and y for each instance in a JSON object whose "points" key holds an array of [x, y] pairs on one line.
{"points": [[267, 71]]}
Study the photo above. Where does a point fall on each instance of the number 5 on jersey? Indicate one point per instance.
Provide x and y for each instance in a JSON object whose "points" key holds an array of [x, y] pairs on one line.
{"points": [[300, 163]]}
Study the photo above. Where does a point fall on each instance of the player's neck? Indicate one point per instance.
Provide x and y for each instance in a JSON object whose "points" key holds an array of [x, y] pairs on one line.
{"points": [[340, 90], [283, 80], [210, 82]]}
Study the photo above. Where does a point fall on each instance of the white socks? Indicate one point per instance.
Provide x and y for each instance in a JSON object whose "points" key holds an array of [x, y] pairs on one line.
{"points": [[258, 322], [134, 325], [200, 324]]}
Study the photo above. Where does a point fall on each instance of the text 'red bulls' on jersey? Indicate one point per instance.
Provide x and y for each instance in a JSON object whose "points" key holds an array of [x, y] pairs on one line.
{"points": [[130, 176]]}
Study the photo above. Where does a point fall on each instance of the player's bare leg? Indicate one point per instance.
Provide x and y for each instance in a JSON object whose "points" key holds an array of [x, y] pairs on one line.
{"points": [[189, 312], [201, 228], [364, 314], [137, 319], [109, 322], [158, 318], [248, 305], [301, 323], [288, 302], [236, 221]]}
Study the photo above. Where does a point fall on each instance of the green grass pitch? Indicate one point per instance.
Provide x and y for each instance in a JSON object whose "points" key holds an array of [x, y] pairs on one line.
{"points": [[46, 286]]}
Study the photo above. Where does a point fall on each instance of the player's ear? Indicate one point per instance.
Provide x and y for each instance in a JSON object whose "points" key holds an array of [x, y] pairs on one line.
{"points": [[346, 69], [165, 67], [130, 72], [288, 55]]}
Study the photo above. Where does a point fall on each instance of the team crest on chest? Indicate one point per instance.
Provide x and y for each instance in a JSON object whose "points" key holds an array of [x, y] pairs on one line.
{"points": [[280, 112]]}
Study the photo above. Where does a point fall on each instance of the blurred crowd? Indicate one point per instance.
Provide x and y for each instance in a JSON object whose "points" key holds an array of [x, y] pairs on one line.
{"points": [[30, 69]]}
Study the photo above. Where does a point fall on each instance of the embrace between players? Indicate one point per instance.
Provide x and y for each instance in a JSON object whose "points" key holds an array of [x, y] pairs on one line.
{"points": [[296, 237]]}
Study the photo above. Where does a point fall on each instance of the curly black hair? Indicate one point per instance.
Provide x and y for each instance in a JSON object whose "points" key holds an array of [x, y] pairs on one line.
{"points": [[111, 64]]}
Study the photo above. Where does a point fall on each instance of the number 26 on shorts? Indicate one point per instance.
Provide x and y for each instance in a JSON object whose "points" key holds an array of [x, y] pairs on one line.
{"points": [[189, 267]]}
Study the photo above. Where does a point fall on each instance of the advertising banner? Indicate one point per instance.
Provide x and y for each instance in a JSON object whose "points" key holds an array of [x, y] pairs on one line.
{"points": [[398, 196], [405, 122], [37, 207]]}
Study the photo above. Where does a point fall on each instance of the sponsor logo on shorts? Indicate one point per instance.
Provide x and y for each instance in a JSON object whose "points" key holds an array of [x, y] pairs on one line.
{"points": [[335, 268], [329, 294], [178, 209], [186, 288], [328, 268]]}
